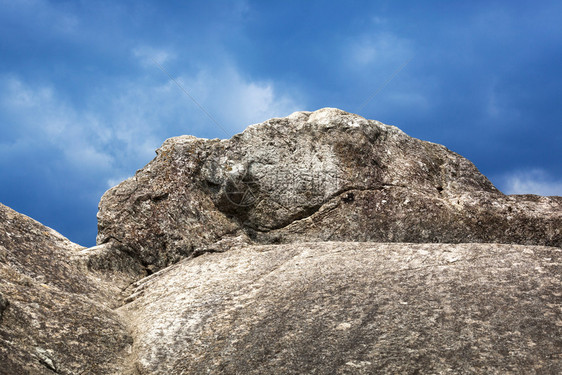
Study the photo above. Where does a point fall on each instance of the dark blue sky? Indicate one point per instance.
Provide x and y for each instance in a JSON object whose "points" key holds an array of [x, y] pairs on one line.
{"points": [[83, 106]]}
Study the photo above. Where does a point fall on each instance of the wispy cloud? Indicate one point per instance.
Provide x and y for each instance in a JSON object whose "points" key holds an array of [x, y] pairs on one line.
{"points": [[535, 181], [378, 62], [378, 49], [235, 101], [147, 55], [38, 118], [123, 122]]}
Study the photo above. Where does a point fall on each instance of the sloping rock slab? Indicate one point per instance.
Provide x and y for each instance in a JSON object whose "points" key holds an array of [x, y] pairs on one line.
{"points": [[313, 176], [353, 308], [56, 316]]}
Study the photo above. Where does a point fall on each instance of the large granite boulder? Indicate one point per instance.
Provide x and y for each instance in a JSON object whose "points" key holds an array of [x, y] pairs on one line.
{"points": [[323, 308], [353, 308], [56, 315], [325, 175], [300, 246]]}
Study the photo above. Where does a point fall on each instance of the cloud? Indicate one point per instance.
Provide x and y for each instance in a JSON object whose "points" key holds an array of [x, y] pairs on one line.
{"points": [[38, 118], [234, 101], [534, 181], [124, 121], [377, 65], [148, 55], [379, 49]]}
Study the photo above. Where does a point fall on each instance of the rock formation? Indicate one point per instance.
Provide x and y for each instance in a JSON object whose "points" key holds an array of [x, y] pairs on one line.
{"points": [[318, 243], [321, 176], [353, 308], [56, 316]]}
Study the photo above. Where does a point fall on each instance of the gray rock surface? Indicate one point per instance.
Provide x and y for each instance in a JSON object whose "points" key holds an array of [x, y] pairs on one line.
{"points": [[56, 316], [353, 308], [271, 253], [325, 175]]}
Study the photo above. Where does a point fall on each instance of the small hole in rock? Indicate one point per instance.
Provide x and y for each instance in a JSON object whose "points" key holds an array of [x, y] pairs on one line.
{"points": [[349, 197]]}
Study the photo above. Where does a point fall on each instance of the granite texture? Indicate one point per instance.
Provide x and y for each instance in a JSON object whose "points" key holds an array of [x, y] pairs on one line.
{"points": [[353, 308], [56, 316], [314, 176], [319, 243]]}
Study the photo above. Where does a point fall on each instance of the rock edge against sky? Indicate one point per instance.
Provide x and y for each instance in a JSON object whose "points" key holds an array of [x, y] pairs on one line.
{"points": [[313, 176], [269, 253]]}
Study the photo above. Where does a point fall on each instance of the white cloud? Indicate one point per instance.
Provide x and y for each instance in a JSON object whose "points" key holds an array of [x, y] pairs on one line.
{"points": [[535, 181], [39, 118], [379, 49], [122, 124], [234, 101], [378, 65], [148, 55]]}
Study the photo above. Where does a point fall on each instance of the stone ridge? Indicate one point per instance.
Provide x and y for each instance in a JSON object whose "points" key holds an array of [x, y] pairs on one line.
{"points": [[56, 315], [244, 256], [316, 307], [313, 176]]}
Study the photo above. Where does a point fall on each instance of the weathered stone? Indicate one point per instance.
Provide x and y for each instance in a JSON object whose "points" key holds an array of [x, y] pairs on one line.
{"points": [[112, 265], [353, 308], [213, 259], [325, 175], [55, 315], [3, 305]]}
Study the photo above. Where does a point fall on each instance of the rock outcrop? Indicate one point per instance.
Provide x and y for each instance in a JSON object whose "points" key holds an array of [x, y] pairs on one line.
{"points": [[320, 243], [56, 316], [320, 176], [353, 308]]}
